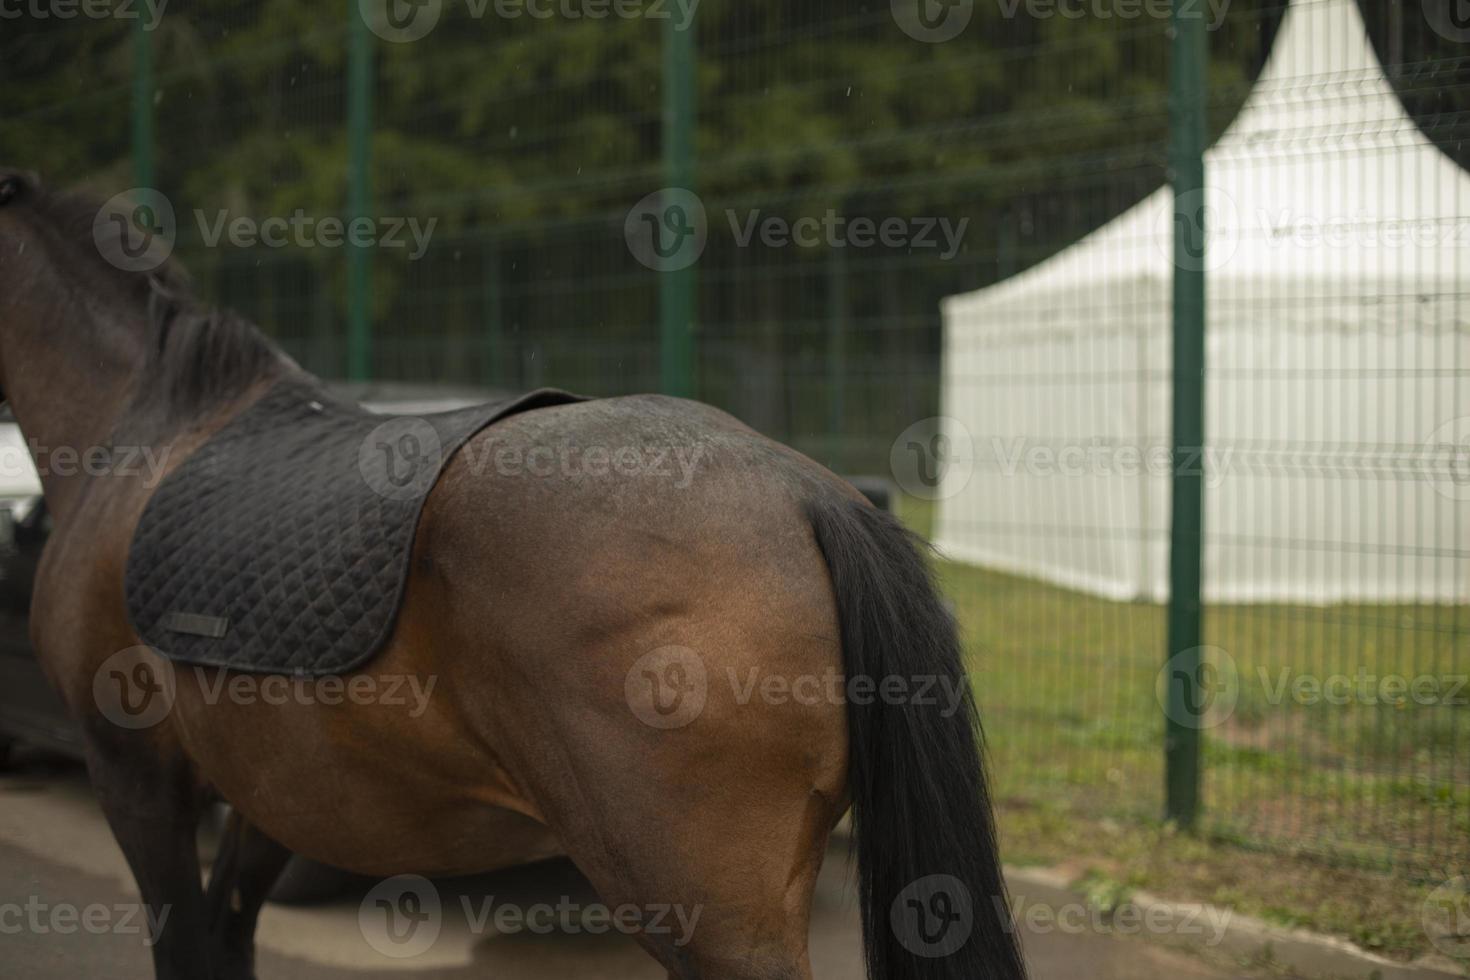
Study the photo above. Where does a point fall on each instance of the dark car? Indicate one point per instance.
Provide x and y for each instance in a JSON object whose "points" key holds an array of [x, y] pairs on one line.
{"points": [[29, 708]]}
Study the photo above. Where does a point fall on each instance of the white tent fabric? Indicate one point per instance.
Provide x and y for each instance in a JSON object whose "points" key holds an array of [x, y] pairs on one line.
{"points": [[1338, 344]]}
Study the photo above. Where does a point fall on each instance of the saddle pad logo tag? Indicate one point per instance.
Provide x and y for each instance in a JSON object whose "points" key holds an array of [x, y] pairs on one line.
{"points": [[199, 625], [400, 459]]}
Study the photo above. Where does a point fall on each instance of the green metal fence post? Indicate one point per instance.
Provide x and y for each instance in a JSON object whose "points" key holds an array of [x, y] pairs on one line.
{"points": [[142, 104], [676, 287], [837, 327], [1187, 174], [494, 314], [359, 192]]}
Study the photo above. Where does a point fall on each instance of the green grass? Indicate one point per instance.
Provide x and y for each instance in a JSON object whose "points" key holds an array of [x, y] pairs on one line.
{"points": [[1110, 858], [1378, 792]]}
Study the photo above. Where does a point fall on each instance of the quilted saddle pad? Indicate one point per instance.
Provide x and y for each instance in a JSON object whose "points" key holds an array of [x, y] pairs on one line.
{"points": [[282, 544]]}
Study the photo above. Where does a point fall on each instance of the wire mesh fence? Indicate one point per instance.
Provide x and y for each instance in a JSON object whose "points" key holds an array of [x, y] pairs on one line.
{"points": [[864, 176]]}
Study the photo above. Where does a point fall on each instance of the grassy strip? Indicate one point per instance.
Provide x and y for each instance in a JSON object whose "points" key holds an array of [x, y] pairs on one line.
{"points": [[1323, 813], [1379, 912]]}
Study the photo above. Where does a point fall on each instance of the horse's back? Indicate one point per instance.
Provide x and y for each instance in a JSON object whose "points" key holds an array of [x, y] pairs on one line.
{"points": [[658, 476]]}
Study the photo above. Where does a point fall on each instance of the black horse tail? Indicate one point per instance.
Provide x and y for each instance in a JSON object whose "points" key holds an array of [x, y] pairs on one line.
{"points": [[934, 905]]}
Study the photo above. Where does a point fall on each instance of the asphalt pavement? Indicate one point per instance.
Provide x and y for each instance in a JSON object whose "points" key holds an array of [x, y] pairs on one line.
{"points": [[68, 909]]}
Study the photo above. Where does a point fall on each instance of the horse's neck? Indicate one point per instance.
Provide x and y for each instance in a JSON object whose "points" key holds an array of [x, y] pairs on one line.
{"points": [[68, 380]]}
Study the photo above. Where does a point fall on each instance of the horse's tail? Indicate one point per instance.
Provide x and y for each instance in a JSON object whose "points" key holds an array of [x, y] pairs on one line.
{"points": [[933, 902]]}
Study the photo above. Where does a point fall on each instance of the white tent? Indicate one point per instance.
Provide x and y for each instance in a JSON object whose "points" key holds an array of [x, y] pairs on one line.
{"points": [[1338, 346]]}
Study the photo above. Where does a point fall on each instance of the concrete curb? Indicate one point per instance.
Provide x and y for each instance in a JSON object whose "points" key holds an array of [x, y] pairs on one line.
{"points": [[1223, 931]]}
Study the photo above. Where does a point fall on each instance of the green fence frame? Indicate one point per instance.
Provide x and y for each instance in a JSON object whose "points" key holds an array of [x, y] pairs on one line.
{"points": [[679, 348], [676, 293], [1187, 138], [677, 326]]}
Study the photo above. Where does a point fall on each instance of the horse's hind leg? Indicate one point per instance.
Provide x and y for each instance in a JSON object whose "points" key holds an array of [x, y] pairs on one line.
{"points": [[721, 869], [713, 832], [246, 867], [153, 809], [725, 898]]}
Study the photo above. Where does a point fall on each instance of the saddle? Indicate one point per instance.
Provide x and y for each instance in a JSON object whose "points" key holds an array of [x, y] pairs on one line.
{"points": [[282, 544]]}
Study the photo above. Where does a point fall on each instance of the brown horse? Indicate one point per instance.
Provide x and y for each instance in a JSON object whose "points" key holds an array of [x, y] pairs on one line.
{"points": [[560, 616]]}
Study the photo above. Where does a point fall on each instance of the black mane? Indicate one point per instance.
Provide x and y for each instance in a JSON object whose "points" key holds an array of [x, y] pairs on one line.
{"points": [[198, 357]]}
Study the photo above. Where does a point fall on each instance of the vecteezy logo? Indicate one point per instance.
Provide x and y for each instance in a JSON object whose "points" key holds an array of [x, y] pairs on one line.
{"points": [[1206, 226], [667, 230], [934, 916], [135, 230], [134, 688], [400, 458], [1447, 463], [933, 458], [401, 916], [1198, 688], [667, 688], [400, 21], [1450, 19], [1446, 917], [933, 21]]}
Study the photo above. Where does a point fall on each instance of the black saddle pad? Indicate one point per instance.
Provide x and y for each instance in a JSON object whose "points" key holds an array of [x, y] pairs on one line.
{"points": [[282, 544]]}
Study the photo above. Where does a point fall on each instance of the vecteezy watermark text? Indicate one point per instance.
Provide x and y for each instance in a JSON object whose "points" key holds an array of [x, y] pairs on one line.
{"points": [[936, 457], [148, 12], [402, 917], [839, 231], [38, 917], [302, 230], [1363, 687], [140, 462], [1203, 686], [1125, 919], [677, 463], [836, 688], [1213, 11], [137, 229], [937, 21], [402, 21], [1100, 457], [392, 690], [571, 917], [668, 230], [669, 687], [1288, 227], [401, 457], [136, 688], [935, 916]]}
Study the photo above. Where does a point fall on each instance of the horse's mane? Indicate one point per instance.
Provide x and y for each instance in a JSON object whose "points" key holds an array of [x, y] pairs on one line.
{"points": [[198, 357]]}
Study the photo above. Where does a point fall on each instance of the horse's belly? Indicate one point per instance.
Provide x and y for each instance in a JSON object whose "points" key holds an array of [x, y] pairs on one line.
{"points": [[371, 788], [478, 839]]}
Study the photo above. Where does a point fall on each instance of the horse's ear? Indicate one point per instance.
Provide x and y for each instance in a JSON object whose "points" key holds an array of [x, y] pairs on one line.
{"points": [[10, 187]]}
